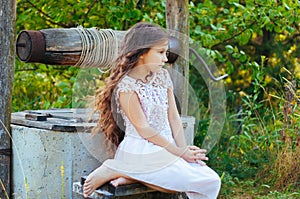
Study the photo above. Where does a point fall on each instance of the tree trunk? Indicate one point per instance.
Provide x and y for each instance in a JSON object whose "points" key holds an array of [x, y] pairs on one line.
{"points": [[177, 17], [7, 61]]}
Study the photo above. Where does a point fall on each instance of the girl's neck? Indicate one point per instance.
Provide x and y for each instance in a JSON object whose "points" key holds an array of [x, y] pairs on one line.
{"points": [[141, 73]]}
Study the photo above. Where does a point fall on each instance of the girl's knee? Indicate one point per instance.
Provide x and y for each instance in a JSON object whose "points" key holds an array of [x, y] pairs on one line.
{"points": [[217, 182]]}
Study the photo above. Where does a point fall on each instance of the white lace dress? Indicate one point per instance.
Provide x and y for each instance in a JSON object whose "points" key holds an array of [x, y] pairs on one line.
{"points": [[142, 160]]}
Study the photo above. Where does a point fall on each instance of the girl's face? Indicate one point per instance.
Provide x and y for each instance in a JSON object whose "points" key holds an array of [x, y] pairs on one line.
{"points": [[156, 57]]}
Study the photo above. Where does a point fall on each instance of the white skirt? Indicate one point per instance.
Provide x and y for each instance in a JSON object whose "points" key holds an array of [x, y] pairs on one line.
{"points": [[140, 159]]}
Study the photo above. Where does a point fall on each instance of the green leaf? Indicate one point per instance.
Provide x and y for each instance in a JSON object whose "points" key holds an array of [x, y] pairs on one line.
{"points": [[61, 99], [266, 20], [159, 16], [245, 37], [243, 58], [151, 3], [229, 49], [239, 5], [236, 55], [277, 29], [286, 6], [198, 29], [290, 29], [226, 11], [220, 56], [43, 67], [62, 85], [229, 67], [66, 90]]}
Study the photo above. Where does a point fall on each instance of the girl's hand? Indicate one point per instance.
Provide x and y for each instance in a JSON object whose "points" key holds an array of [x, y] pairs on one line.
{"points": [[194, 154]]}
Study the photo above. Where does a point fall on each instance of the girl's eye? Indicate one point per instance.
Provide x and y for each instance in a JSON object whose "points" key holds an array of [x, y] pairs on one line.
{"points": [[168, 52]]}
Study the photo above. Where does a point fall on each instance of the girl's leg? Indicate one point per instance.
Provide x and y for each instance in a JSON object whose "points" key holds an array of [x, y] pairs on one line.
{"points": [[159, 188], [104, 174], [97, 178], [124, 181]]}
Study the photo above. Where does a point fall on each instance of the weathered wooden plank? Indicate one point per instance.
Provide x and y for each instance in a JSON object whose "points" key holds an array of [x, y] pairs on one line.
{"points": [[133, 191], [63, 121], [56, 125], [36, 117], [75, 115]]}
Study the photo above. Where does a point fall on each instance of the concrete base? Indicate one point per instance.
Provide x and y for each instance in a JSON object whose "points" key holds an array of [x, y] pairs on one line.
{"points": [[46, 163]]}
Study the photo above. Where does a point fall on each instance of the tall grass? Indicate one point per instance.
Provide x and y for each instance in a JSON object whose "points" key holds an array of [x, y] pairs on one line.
{"points": [[286, 168]]}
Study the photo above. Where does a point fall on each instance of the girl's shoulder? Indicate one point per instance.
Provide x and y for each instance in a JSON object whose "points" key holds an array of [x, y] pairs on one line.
{"points": [[163, 79], [126, 84], [160, 80]]}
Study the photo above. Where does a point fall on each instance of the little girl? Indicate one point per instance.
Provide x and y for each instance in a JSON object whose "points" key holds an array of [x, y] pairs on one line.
{"points": [[151, 149]]}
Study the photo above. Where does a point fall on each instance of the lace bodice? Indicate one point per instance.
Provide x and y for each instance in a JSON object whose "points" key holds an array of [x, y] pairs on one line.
{"points": [[153, 97]]}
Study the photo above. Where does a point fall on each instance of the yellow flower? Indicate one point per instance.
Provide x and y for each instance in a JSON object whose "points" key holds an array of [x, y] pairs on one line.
{"points": [[268, 79], [297, 71], [293, 47], [242, 93], [243, 72], [228, 80], [282, 37]]}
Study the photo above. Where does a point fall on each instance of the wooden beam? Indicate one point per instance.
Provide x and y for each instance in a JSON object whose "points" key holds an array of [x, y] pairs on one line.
{"points": [[57, 46], [177, 19], [7, 61], [63, 46]]}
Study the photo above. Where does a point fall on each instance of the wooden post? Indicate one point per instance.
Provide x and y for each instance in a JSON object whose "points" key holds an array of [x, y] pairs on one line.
{"points": [[7, 61], [177, 18]]}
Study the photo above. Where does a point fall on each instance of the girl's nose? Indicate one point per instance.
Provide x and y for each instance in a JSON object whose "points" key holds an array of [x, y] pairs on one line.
{"points": [[165, 59]]}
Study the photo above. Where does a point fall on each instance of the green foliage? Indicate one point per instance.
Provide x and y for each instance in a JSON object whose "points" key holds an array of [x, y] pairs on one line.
{"points": [[255, 43], [40, 86], [120, 15]]}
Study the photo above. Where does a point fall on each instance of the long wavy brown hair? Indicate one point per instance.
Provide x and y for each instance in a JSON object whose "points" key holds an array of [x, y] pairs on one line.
{"points": [[137, 41]]}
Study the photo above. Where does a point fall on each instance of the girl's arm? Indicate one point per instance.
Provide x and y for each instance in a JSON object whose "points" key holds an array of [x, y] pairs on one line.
{"points": [[131, 106], [177, 129], [175, 121]]}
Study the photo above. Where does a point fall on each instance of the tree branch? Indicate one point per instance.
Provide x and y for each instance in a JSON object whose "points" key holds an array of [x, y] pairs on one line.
{"points": [[233, 36], [48, 17]]}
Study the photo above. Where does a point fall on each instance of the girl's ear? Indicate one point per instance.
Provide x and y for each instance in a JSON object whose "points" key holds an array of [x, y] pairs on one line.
{"points": [[174, 50]]}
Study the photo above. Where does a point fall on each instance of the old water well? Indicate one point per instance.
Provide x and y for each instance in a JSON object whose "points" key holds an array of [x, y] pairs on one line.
{"points": [[52, 149]]}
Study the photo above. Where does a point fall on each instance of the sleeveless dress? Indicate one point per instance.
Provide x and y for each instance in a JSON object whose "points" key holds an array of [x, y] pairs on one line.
{"points": [[144, 161]]}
